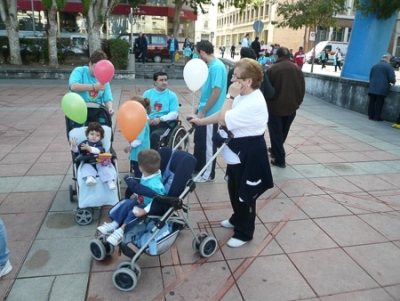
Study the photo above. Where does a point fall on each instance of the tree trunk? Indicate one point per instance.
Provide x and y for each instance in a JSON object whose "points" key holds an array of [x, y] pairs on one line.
{"points": [[177, 17], [8, 12], [52, 36], [98, 12]]}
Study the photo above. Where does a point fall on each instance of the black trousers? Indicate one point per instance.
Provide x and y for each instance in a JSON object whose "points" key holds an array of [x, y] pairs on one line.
{"points": [[155, 134], [244, 216], [278, 127], [375, 106], [202, 144]]}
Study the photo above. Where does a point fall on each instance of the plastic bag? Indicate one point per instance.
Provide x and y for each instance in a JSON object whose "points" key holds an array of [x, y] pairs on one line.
{"points": [[176, 56]]}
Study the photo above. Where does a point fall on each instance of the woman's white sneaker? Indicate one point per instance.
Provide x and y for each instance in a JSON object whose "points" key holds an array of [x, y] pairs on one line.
{"points": [[227, 224], [235, 243]]}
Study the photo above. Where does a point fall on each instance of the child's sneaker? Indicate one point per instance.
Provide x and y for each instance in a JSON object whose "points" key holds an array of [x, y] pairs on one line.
{"points": [[107, 228], [6, 269], [90, 181], [111, 185], [116, 237]]}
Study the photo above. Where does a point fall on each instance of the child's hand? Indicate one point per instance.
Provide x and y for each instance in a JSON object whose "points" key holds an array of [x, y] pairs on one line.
{"points": [[138, 212], [127, 149], [85, 146], [74, 142]]}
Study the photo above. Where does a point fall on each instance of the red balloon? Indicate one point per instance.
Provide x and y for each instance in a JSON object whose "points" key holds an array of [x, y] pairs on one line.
{"points": [[131, 119], [104, 71]]}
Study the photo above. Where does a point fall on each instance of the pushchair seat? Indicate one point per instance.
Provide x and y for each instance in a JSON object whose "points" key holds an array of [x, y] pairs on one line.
{"points": [[99, 194]]}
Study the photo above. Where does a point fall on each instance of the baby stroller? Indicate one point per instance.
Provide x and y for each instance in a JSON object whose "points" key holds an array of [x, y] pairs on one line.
{"points": [[98, 195], [157, 231]]}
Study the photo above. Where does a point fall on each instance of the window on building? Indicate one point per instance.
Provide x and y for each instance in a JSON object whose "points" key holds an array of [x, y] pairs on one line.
{"points": [[397, 52], [337, 34], [261, 11]]}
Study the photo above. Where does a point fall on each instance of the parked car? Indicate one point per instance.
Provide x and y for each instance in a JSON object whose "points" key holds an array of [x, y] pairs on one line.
{"points": [[395, 62], [157, 47]]}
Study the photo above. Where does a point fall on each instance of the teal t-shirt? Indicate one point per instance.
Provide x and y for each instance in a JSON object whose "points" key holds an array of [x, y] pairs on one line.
{"points": [[217, 77], [144, 136], [82, 75], [161, 103], [155, 183]]}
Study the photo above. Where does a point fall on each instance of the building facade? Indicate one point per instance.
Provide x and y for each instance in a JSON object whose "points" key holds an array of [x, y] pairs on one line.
{"points": [[233, 26], [156, 16]]}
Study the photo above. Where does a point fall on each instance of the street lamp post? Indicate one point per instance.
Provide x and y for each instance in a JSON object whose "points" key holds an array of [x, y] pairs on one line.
{"points": [[33, 18]]}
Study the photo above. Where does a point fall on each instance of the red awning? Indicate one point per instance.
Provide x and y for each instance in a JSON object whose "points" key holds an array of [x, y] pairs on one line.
{"points": [[120, 9]]}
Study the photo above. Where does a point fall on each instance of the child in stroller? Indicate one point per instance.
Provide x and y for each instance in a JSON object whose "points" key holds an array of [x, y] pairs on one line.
{"points": [[94, 146], [155, 232], [127, 212], [100, 194]]}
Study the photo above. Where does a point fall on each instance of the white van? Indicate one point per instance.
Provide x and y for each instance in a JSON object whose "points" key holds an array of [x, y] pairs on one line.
{"points": [[331, 46]]}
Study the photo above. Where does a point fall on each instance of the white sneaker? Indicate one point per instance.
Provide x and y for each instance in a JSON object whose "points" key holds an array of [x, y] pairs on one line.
{"points": [[111, 185], [90, 181], [203, 180], [235, 243], [116, 237], [6, 269], [227, 224], [107, 228]]}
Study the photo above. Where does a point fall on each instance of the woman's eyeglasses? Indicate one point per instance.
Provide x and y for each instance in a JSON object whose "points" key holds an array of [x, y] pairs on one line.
{"points": [[235, 77]]}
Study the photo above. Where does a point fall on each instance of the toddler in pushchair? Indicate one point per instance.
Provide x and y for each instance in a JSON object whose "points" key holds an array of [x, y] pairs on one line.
{"points": [[155, 232], [95, 170]]}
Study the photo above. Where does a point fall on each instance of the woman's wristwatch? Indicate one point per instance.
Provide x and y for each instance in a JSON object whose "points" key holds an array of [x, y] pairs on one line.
{"points": [[229, 96]]}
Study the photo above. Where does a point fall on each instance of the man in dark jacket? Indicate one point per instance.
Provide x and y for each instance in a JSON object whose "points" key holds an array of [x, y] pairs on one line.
{"points": [[142, 44], [380, 78], [256, 46], [288, 81]]}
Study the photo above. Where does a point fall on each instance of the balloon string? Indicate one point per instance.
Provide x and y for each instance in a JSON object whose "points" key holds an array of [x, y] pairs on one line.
{"points": [[193, 93]]}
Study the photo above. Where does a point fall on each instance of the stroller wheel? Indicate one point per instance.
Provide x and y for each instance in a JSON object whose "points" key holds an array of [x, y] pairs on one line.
{"points": [[200, 237], [124, 264], [125, 279], [97, 249], [71, 194], [109, 248], [84, 216], [128, 265], [208, 246]]}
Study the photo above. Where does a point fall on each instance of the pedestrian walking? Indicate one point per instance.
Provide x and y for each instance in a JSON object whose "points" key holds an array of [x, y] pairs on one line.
{"points": [[288, 81], [380, 78], [233, 48]]}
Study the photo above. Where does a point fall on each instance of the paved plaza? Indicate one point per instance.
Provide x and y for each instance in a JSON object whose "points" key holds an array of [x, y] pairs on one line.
{"points": [[329, 229]]}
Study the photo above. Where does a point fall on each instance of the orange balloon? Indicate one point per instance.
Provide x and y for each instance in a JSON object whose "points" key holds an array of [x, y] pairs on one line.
{"points": [[131, 119]]}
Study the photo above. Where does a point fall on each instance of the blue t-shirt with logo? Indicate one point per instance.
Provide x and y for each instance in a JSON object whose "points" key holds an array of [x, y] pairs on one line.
{"points": [[82, 75], [161, 103]]}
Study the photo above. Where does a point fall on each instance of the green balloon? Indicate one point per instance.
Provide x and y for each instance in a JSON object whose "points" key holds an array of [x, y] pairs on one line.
{"points": [[74, 107]]}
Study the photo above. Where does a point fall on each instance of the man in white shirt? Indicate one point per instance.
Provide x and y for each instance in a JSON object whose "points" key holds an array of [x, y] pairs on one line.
{"points": [[245, 41]]}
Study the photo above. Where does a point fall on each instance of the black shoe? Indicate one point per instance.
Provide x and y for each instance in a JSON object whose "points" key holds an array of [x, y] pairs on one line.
{"points": [[270, 153], [378, 119], [282, 165], [371, 118]]}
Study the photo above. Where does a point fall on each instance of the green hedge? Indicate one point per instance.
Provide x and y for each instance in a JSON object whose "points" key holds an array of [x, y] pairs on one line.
{"points": [[37, 50]]}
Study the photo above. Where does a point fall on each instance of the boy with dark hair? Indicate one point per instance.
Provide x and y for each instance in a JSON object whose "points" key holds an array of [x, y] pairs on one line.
{"points": [[211, 100], [128, 211]]}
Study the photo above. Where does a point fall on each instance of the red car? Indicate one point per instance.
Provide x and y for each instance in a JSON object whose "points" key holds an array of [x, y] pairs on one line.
{"points": [[157, 47]]}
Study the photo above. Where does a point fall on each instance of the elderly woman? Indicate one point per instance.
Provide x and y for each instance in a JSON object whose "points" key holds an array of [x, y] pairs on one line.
{"points": [[248, 173]]}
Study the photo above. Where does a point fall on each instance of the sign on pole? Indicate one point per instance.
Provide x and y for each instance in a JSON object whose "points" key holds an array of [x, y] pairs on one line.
{"points": [[258, 26], [312, 35]]}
